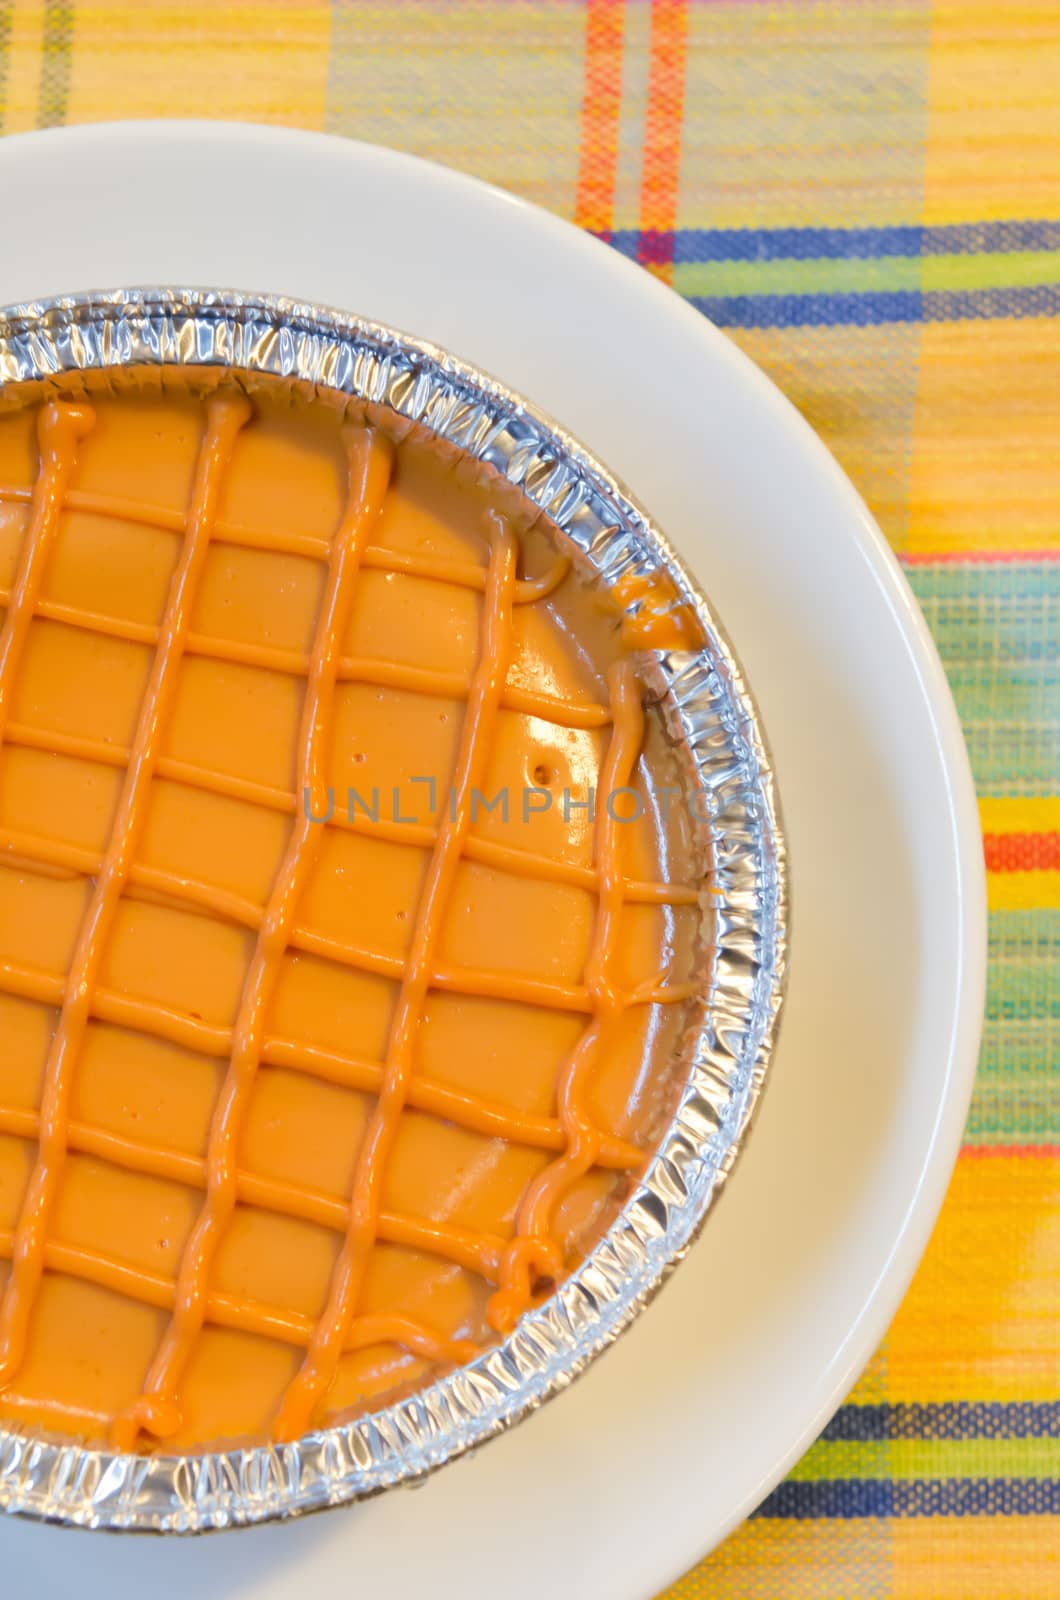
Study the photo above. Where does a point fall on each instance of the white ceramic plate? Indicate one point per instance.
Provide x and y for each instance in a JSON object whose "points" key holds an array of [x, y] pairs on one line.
{"points": [[615, 1488]]}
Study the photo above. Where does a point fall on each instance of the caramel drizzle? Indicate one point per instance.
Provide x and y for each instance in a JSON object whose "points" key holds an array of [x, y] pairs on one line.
{"points": [[514, 1264], [59, 430], [310, 1385], [158, 1408], [351, 669], [442, 569], [654, 617], [547, 993], [521, 863], [234, 1311], [534, 1254], [477, 1251], [225, 415], [425, 1094]]}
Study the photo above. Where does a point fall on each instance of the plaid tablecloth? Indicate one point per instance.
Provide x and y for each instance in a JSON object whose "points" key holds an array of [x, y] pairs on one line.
{"points": [[866, 195]]}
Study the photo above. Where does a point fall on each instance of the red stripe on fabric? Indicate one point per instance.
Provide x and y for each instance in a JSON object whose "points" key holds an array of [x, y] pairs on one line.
{"points": [[1019, 1152], [927, 558], [1021, 852], [601, 105], [662, 136]]}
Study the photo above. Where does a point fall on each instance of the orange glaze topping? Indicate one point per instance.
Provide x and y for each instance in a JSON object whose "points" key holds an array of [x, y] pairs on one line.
{"points": [[335, 1018], [658, 619]]}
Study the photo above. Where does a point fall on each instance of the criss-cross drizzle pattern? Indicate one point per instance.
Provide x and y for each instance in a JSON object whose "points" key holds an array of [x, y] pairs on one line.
{"points": [[312, 1382], [520, 1268], [225, 416], [158, 1408], [533, 1250]]}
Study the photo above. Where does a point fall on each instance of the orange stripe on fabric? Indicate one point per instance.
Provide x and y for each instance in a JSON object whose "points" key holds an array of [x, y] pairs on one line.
{"points": [[1021, 852], [601, 105], [980, 558], [1008, 1152], [662, 136], [1021, 846]]}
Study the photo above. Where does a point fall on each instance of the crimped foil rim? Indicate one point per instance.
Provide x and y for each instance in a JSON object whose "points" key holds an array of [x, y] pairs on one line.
{"points": [[709, 709]]}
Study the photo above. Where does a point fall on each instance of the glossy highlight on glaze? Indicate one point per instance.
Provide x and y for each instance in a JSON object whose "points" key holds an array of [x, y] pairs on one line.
{"points": [[471, 1192]]}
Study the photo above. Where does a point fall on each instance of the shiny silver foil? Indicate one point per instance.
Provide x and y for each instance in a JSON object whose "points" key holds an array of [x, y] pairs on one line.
{"points": [[716, 730]]}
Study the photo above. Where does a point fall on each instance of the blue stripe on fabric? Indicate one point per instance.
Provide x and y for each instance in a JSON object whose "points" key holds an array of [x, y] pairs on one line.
{"points": [[874, 308], [832, 244], [960, 1419], [923, 1497]]}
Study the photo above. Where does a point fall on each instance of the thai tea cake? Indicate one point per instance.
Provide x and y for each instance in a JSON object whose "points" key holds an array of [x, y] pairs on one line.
{"points": [[348, 909]]}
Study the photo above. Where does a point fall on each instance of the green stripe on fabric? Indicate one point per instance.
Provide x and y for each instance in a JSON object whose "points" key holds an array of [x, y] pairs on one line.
{"points": [[1017, 1091], [931, 1458], [56, 63], [997, 629], [1018, 269]]}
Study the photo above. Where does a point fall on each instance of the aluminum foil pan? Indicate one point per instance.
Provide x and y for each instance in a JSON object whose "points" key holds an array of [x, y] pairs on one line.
{"points": [[713, 721]]}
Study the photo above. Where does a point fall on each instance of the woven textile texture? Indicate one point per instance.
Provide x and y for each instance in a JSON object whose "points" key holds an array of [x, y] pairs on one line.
{"points": [[866, 195]]}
